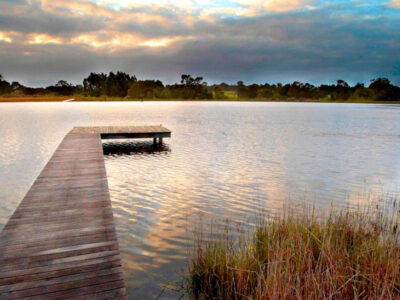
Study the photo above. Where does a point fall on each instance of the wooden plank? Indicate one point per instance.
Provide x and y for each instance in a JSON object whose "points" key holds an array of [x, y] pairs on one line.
{"points": [[38, 251], [42, 237], [61, 286], [121, 132], [60, 219], [39, 283], [39, 273], [50, 256], [89, 291], [78, 242], [120, 129], [113, 294]]}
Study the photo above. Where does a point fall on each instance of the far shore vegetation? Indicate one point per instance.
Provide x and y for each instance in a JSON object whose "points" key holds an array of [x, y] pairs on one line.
{"points": [[121, 86], [345, 255]]}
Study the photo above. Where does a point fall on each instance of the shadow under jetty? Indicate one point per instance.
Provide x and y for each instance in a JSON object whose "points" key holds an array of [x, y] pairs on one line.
{"points": [[134, 148]]}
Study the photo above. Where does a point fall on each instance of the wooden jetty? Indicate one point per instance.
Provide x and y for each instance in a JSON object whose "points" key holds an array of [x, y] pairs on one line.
{"points": [[61, 242]]}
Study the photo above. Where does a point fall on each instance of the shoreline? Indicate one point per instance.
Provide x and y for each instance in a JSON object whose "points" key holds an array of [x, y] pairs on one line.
{"points": [[111, 99]]}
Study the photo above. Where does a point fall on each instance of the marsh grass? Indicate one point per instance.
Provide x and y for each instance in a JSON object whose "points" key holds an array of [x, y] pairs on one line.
{"points": [[344, 255], [34, 99]]}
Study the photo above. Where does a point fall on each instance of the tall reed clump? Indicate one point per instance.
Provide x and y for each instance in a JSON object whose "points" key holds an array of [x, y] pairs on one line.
{"points": [[347, 255]]}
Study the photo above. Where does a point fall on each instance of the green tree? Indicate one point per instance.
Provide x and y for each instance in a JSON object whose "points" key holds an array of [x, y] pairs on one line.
{"points": [[118, 84], [342, 92], [190, 88], [219, 93], [5, 86], [62, 87], [146, 89], [93, 85], [384, 90]]}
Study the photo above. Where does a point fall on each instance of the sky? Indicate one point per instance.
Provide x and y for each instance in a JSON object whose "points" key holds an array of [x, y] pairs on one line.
{"points": [[43, 41]]}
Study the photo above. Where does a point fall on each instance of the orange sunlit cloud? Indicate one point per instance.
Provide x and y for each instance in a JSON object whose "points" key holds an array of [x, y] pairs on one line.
{"points": [[394, 3], [156, 43], [43, 39], [73, 7], [247, 6], [102, 40], [5, 38], [80, 8], [119, 41], [256, 7], [163, 42]]}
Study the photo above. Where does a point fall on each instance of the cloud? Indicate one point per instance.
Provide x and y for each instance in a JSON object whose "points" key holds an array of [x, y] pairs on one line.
{"points": [[394, 3], [256, 7], [5, 38], [221, 40]]}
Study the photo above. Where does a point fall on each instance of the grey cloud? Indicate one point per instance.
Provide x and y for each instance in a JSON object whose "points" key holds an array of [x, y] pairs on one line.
{"points": [[33, 19], [15, 2]]}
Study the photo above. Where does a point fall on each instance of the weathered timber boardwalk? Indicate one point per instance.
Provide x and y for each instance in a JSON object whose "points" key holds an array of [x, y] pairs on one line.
{"points": [[61, 242]]}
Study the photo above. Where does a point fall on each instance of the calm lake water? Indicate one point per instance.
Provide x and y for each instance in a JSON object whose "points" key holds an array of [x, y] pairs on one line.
{"points": [[225, 161]]}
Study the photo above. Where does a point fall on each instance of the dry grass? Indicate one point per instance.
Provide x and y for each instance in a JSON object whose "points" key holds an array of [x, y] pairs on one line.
{"points": [[33, 99], [347, 255]]}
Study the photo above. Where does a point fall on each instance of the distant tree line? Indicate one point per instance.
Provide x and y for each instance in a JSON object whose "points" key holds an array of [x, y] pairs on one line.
{"points": [[380, 89], [121, 84], [62, 88]]}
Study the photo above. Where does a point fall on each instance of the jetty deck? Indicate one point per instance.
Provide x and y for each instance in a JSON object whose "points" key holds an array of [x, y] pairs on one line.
{"points": [[61, 241]]}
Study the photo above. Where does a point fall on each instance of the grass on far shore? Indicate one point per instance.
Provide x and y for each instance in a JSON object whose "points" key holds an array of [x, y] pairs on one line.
{"points": [[230, 98], [34, 99], [348, 255]]}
